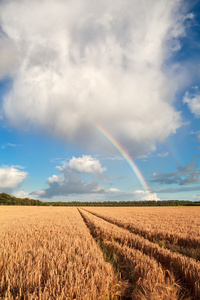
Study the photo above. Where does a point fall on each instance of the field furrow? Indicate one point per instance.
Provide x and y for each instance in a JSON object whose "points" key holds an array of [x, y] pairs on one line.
{"points": [[165, 233], [185, 269], [144, 278]]}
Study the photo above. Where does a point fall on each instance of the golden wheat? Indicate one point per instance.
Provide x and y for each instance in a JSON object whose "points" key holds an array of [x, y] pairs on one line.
{"points": [[177, 227], [48, 253], [143, 272], [184, 268], [148, 279]]}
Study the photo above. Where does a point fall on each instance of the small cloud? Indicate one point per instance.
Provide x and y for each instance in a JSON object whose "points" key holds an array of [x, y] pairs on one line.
{"points": [[185, 175], [113, 190], [9, 145], [20, 194], [195, 132], [153, 197], [19, 167], [144, 197], [139, 192], [59, 168], [11, 177], [55, 178], [85, 164], [193, 102], [196, 197], [163, 155]]}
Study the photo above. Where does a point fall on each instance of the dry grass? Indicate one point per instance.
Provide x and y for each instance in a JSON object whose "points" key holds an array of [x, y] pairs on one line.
{"points": [[48, 253]]}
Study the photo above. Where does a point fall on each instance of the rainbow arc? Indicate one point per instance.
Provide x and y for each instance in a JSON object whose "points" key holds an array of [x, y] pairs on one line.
{"points": [[129, 160]]}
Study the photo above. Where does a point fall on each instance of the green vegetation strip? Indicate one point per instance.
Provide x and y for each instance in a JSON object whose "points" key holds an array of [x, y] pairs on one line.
{"points": [[6, 199]]}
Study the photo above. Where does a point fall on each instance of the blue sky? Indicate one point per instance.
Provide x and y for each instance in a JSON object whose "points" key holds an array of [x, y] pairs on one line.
{"points": [[131, 68]]}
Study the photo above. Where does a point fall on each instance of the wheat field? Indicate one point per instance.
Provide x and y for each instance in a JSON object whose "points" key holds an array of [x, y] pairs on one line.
{"points": [[99, 253]]}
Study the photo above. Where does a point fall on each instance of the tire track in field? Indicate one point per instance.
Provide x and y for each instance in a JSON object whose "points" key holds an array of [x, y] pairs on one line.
{"points": [[180, 245], [142, 275], [125, 288], [185, 270]]}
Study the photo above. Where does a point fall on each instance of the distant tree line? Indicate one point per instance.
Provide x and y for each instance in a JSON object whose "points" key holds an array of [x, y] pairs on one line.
{"points": [[6, 199]]}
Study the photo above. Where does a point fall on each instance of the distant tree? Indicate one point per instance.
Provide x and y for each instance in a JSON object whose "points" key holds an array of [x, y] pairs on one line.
{"points": [[5, 199]]}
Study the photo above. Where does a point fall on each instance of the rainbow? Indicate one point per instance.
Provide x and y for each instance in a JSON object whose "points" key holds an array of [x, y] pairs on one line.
{"points": [[129, 160]]}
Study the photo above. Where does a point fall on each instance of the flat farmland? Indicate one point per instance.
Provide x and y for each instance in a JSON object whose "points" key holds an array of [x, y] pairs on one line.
{"points": [[99, 253], [48, 253]]}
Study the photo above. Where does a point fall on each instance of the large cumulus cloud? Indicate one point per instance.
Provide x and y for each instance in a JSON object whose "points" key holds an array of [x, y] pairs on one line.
{"points": [[77, 64], [69, 180]]}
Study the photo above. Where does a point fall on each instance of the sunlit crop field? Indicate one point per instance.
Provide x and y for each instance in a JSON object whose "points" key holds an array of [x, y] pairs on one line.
{"points": [[99, 253]]}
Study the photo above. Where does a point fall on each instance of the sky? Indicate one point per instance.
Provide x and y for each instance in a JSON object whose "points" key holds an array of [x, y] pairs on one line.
{"points": [[100, 100]]}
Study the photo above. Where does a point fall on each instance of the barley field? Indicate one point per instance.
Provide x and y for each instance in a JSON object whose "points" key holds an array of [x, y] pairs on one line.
{"points": [[100, 253]]}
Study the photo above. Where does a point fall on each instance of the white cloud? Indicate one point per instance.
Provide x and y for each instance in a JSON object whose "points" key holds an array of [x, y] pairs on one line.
{"points": [[93, 63], [142, 195], [69, 181], [139, 192], [11, 177], [178, 29], [55, 178], [23, 194], [193, 101], [86, 164], [8, 145], [197, 133], [153, 197], [196, 197], [163, 155], [114, 190], [20, 194]]}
